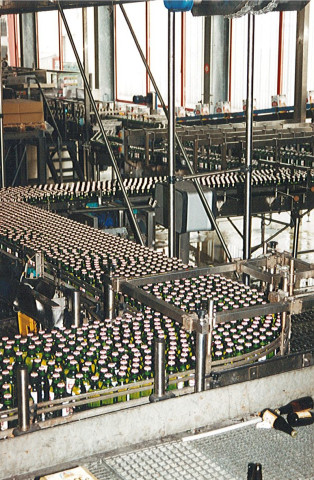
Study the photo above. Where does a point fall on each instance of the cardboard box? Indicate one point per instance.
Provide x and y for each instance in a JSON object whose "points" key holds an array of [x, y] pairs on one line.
{"points": [[77, 473], [244, 104], [11, 106], [222, 107], [278, 101], [16, 111]]}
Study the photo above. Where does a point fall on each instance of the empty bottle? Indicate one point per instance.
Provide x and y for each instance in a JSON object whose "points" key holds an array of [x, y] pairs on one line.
{"points": [[301, 419], [277, 422], [303, 403], [254, 471]]}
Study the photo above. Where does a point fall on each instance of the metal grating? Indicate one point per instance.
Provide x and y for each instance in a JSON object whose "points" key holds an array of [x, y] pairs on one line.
{"points": [[224, 457]]}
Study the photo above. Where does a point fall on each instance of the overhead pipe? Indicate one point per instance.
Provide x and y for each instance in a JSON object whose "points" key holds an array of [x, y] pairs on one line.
{"points": [[198, 186], [101, 127]]}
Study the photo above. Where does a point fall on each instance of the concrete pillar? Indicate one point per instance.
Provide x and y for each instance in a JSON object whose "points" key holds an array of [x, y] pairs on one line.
{"points": [[28, 40], [216, 60], [104, 52]]}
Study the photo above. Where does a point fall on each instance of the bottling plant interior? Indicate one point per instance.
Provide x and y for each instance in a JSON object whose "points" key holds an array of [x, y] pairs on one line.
{"points": [[156, 240]]}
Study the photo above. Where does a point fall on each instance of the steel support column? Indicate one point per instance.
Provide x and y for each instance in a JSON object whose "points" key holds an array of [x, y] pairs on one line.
{"points": [[301, 64], [197, 184], [171, 136], [137, 232], [249, 143], [296, 236]]}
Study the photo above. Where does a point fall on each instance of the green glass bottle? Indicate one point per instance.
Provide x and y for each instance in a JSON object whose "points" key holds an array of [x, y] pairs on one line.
{"points": [[78, 389], [60, 392], [122, 381], [171, 370], [134, 378], [108, 385], [94, 388], [70, 377], [147, 375]]}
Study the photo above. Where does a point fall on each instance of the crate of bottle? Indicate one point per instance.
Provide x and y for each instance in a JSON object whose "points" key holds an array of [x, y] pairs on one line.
{"points": [[77, 473]]}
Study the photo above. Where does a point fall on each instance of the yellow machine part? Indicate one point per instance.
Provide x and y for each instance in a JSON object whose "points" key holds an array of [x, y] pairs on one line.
{"points": [[26, 324]]}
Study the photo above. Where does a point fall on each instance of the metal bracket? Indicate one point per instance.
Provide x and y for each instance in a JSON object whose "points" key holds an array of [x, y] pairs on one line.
{"points": [[276, 297], [39, 260], [238, 264], [296, 306], [253, 372], [271, 261], [189, 321], [307, 359]]}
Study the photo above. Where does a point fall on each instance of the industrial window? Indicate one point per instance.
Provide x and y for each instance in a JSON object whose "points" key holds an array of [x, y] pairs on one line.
{"points": [[194, 60], [238, 63], [74, 19], [159, 49], [130, 71], [265, 60], [48, 41], [310, 78], [288, 61]]}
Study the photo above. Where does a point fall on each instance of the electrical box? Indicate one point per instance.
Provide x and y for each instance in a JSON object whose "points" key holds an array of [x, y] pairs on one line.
{"points": [[189, 210]]}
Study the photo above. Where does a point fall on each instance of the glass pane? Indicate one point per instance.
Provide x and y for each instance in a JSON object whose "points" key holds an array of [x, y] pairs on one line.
{"points": [[131, 77], [288, 62], [91, 43], [238, 63], [48, 42], [159, 49], [266, 58], [310, 78], [74, 19], [4, 38], [194, 60]]}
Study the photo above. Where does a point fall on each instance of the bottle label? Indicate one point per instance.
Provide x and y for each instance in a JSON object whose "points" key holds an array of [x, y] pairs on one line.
{"points": [[65, 410], [304, 414], [4, 425], [34, 396], [69, 385], [269, 417], [51, 395], [180, 385]]}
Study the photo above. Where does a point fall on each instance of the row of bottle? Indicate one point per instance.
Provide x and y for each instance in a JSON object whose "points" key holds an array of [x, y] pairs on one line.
{"points": [[91, 191], [260, 177], [190, 294], [287, 154], [118, 349], [77, 249], [97, 190]]}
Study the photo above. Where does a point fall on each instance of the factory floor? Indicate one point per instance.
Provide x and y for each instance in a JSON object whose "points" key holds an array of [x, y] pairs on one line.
{"points": [[222, 456]]}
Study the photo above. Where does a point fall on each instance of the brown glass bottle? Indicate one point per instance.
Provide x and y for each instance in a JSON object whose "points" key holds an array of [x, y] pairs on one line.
{"points": [[303, 403], [277, 422], [300, 419]]}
